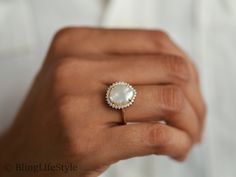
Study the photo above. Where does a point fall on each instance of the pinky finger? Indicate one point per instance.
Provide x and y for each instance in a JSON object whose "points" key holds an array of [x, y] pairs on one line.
{"points": [[142, 139]]}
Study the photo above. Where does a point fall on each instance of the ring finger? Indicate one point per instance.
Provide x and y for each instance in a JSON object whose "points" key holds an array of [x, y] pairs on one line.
{"points": [[162, 103]]}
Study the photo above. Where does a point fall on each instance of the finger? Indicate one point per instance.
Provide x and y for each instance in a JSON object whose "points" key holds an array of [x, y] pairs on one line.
{"points": [[133, 140], [140, 69], [111, 41], [163, 103], [198, 85], [201, 103], [195, 98]]}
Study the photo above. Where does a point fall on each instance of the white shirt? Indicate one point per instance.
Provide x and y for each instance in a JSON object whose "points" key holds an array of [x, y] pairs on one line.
{"points": [[204, 28]]}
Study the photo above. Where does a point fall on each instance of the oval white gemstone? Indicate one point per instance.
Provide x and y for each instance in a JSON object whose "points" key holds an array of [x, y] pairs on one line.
{"points": [[121, 95]]}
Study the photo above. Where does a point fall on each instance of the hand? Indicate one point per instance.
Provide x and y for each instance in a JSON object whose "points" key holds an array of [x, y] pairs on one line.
{"points": [[65, 117]]}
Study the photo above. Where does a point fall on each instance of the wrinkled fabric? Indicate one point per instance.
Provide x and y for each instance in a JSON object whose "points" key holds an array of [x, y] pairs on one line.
{"points": [[204, 28]]}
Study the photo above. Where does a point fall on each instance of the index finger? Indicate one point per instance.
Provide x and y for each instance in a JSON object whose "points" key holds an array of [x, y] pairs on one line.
{"points": [[112, 41]]}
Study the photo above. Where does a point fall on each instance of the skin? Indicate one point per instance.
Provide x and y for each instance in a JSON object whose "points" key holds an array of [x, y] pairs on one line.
{"points": [[65, 117]]}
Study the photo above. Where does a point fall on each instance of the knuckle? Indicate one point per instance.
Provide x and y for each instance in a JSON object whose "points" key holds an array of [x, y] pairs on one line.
{"points": [[162, 141], [64, 68], [178, 68], [159, 35], [185, 145], [66, 35], [68, 105], [64, 31], [61, 38], [204, 110], [158, 136], [160, 39], [64, 106], [162, 34], [172, 99]]}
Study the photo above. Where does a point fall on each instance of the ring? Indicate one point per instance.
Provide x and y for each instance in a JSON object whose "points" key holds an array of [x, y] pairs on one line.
{"points": [[120, 95]]}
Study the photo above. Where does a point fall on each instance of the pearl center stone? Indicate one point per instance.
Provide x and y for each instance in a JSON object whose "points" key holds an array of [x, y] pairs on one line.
{"points": [[121, 95]]}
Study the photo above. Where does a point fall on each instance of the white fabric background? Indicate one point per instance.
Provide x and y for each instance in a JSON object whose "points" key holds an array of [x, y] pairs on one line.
{"points": [[204, 28]]}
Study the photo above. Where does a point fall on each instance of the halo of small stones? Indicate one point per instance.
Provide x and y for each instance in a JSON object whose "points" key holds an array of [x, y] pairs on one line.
{"points": [[115, 106]]}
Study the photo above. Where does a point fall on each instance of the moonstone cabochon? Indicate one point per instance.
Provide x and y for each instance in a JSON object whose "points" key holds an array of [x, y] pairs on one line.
{"points": [[120, 95]]}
